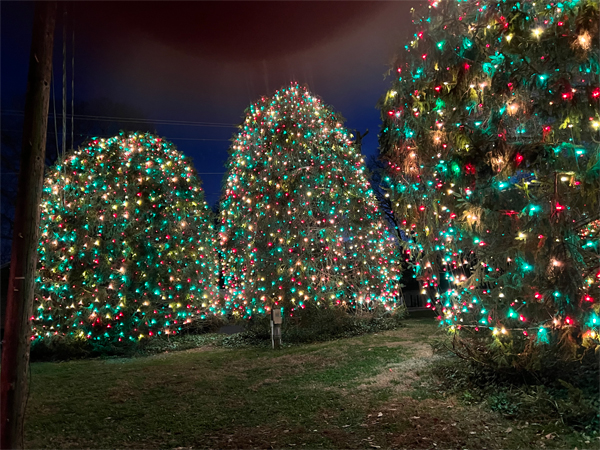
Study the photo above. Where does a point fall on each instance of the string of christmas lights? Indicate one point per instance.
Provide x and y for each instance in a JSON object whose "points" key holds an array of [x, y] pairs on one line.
{"points": [[491, 139], [128, 247], [299, 221]]}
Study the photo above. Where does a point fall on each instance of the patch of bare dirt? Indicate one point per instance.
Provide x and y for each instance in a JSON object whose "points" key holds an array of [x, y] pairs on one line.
{"points": [[401, 376], [203, 349], [411, 331], [434, 423]]}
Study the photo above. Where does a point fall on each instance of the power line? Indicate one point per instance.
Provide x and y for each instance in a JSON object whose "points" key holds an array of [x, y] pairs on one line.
{"points": [[72, 85], [169, 138], [54, 107], [197, 173], [196, 139], [137, 120], [64, 85]]}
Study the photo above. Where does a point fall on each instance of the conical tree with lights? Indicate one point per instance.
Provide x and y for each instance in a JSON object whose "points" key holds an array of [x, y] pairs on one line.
{"points": [[299, 223], [490, 135], [128, 245]]}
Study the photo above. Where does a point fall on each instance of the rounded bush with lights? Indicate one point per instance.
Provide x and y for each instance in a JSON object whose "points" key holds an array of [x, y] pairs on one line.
{"points": [[299, 222], [127, 245], [491, 140]]}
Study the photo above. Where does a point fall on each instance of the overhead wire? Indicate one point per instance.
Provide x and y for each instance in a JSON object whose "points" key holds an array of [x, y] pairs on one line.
{"points": [[54, 107], [138, 120], [64, 92], [72, 85], [161, 121], [166, 137], [64, 98]]}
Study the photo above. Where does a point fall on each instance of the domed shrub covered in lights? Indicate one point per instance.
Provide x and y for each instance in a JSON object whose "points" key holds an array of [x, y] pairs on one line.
{"points": [[490, 134], [127, 246], [299, 222]]}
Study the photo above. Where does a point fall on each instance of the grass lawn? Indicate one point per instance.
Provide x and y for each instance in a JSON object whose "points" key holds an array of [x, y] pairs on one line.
{"points": [[371, 391]]}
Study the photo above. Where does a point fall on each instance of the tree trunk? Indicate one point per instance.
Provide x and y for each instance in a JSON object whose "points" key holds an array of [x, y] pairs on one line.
{"points": [[21, 284]]}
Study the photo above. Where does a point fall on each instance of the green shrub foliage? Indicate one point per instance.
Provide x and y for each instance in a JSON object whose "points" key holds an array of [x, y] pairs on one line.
{"points": [[490, 136]]}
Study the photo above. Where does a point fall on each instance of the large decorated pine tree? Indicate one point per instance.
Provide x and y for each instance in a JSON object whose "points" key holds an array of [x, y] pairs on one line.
{"points": [[491, 140], [299, 222], [128, 245]]}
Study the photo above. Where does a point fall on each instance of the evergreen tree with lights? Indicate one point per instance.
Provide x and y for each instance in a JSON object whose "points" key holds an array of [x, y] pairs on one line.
{"points": [[491, 139], [128, 243], [300, 225]]}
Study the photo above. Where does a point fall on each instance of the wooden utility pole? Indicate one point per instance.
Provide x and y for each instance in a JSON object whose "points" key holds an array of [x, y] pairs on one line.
{"points": [[19, 308]]}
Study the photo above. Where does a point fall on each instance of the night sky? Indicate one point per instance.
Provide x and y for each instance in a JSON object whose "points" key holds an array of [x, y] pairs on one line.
{"points": [[205, 62]]}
